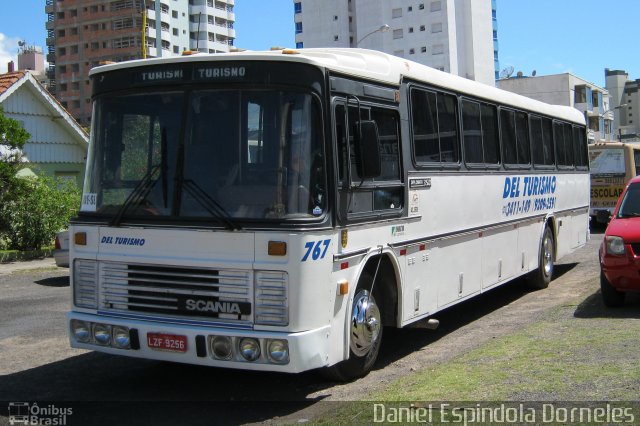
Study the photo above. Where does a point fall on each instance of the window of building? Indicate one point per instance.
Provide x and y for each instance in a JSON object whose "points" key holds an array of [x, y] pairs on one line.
{"points": [[60, 15], [423, 49], [336, 38], [174, 14], [438, 49], [73, 13], [335, 17], [75, 67], [580, 96], [399, 53], [176, 49], [93, 9], [410, 9], [421, 6], [398, 33], [410, 29], [297, 7], [396, 13], [422, 28], [62, 51], [299, 45], [437, 27], [75, 85], [436, 6], [62, 69], [412, 51], [95, 45], [176, 32], [298, 27]]}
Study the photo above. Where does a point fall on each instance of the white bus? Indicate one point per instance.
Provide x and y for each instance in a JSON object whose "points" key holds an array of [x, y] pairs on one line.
{"points": [[274, 210]]}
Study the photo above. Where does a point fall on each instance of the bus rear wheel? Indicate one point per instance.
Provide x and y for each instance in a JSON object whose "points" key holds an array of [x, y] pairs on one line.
{"points": [[541, 277], [365, 335]]}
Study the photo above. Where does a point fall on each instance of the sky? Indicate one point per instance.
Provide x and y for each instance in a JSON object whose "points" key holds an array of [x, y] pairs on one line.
{"points": [[582, 37]]}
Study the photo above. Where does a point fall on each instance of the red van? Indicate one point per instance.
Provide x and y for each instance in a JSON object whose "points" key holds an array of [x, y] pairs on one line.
{"points": [[620, 248]]}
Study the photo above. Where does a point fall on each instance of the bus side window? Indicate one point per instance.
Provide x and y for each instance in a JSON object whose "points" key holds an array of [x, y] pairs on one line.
{"points": [[636, 160], [580, 147]]}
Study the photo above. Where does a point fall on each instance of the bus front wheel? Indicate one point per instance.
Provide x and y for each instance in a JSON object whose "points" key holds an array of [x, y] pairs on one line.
{"points": [[541, 277], [365, 335]]}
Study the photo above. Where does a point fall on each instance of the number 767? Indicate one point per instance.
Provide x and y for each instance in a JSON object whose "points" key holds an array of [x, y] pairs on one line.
{"points": [[314, 248]]}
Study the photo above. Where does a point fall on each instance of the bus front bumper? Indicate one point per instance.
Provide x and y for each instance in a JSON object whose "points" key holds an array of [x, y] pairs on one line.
{"points": [[235, 348]]}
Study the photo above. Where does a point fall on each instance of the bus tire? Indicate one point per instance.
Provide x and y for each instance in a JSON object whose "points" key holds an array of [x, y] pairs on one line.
{"points": [[365, 335], [611, 297], [541, 277]]}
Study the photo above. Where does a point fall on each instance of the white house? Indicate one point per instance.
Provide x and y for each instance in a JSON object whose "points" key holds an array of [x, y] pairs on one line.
{"points": [[58, 145]]}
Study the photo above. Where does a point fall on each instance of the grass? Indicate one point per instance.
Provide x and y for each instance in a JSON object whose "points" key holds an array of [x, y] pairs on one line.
{"points": [[564, 357]]}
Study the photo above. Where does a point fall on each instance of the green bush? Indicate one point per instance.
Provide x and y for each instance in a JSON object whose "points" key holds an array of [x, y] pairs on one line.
{"points": [[38, 209]]}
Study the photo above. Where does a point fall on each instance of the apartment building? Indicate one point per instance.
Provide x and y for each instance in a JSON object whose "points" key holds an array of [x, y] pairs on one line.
{"points": [[569, 90], [456, 36], [83, 33], [625, 100]]}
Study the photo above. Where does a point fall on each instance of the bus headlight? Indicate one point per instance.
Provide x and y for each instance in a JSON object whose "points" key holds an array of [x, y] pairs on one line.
{"points": [[102, 334], [81, 331], [221, 347], [121, 337], [249, 348], [278, 351]]}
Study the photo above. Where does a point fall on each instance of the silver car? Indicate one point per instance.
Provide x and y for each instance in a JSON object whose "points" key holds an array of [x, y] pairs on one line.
{"points": [[61, 251]]}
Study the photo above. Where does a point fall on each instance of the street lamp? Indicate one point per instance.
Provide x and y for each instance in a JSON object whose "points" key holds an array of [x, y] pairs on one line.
{"points": [[383, 29]]}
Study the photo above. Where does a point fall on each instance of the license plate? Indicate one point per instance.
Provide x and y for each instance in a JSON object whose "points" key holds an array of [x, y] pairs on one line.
{"points": [[167, 342]]}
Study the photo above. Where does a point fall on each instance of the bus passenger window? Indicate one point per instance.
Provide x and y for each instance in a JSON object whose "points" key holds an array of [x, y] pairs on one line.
{"points": [[435, 127]]}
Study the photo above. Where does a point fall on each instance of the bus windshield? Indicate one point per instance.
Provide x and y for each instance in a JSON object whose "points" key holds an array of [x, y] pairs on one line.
{"points": [[218, 155], [607, 161]]}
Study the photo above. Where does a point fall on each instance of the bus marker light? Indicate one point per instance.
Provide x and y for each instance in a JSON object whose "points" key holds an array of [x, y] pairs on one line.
{"points": [[277, 248], [403, 252], [80, 238], [343, 287], [344, 265], [423, 247]]}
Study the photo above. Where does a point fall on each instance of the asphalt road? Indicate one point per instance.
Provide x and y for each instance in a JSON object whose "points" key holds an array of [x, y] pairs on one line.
{"points": [[37, 364]]}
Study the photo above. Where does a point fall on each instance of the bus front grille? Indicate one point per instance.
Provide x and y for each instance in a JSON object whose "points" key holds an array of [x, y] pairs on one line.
{"points": [[222, 295]]}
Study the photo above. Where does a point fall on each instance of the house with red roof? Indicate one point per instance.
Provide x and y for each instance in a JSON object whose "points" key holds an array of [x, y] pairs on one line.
{"points": [[58, 144]]}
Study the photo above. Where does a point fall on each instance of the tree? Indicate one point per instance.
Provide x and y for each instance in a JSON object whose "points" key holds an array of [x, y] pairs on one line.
{"points": [[12, 139], [42, 207], [32, 210]]}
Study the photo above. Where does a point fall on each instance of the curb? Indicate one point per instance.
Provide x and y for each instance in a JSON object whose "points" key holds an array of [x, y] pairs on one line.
{"points": [[18, 256]]}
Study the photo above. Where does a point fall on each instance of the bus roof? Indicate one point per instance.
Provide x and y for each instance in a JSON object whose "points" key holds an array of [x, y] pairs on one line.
{"points": [[371, 65]]}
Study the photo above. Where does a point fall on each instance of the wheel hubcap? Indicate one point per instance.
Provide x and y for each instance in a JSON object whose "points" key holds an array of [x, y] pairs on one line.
{"points": [[548, 256], [365, 323]]}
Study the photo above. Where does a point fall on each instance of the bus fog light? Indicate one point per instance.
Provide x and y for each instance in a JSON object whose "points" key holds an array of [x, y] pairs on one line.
{"points": [[278, 351], [121, 337], [81, 330], [102, 334], [249, 349], [221, 347]]}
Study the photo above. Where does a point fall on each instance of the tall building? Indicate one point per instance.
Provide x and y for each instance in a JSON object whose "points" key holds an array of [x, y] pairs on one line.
{"points": [[569, 90], [83, 33], [456, 36], [625, 100]]}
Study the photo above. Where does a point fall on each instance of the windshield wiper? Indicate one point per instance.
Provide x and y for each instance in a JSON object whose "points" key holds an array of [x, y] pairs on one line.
{"points": [[212, 206], [138, 194]]}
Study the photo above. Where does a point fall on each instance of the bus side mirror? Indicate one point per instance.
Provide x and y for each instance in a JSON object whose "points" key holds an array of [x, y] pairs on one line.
{"points": [[367, 144]]}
